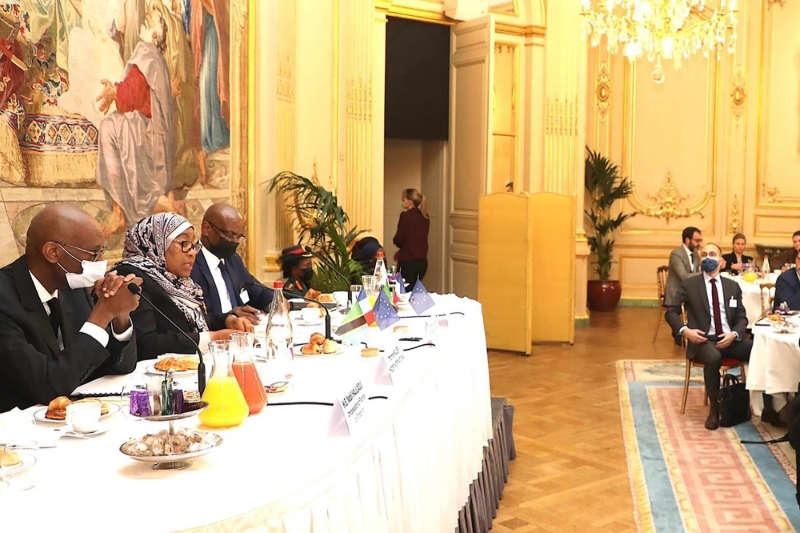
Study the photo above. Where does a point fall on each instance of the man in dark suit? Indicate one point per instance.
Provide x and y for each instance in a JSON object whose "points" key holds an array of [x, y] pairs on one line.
{"points": [[53, 336], [683, 262], [220, 272], [716, 322], [787, 287]]}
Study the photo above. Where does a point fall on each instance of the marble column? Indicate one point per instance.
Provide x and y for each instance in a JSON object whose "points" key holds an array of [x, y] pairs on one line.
{"points": [[565, 125]]}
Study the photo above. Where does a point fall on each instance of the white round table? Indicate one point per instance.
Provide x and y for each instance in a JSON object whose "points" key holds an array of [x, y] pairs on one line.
{"points": [[751, 295], [774, 365]]}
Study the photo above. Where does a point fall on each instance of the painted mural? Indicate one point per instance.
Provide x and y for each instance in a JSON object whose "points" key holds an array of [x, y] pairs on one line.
{"points": [[122, 107]]}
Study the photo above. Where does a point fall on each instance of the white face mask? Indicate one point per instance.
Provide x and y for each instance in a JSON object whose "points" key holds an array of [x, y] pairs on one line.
{"points": [[91, 272]]}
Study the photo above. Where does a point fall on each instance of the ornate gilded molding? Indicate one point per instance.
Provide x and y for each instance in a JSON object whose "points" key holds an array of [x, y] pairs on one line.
{"points": [[668, 202], [771, 193], [738, 95], [735, 216], [603, 91], [771, 3]]}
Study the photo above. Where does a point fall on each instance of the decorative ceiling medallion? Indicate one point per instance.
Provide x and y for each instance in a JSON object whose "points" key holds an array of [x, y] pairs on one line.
{"points": [[771, 193], [735, 216], [668, 203], [738, 95], [603, 91]]}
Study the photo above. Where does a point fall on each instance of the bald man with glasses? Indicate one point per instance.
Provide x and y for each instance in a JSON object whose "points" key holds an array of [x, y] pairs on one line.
{"points": [[63, 320]]}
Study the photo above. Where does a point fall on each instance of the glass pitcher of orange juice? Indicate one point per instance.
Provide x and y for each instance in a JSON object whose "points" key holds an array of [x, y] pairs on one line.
{"points": [[750, 273], [244, 369], [226, 404]]}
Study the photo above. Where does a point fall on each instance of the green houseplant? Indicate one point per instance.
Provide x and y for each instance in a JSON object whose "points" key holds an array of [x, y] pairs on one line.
{"points": [[324, 226], [605, 187]]}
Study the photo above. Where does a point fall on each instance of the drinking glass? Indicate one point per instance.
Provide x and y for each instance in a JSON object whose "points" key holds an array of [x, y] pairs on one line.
{"points": [[355, 290], [18, 464], [370, 286]]}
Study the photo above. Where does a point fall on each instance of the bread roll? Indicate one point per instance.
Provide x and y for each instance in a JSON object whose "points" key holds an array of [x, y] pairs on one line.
{"points": [[330, 346], [57, 409], [311, 349], [370, 352]]}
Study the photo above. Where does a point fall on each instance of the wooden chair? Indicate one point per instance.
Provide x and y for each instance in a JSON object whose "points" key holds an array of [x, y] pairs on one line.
{"points": [[767, 299], [661, 284], [727, 364]]}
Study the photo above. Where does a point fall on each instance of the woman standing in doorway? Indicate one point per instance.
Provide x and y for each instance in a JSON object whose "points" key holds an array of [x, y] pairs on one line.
{"points": [[412, 237]]}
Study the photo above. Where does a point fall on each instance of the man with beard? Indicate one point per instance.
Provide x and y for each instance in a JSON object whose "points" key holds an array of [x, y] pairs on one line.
{"points": [[135, 159], [683, 262], [220, 272]]}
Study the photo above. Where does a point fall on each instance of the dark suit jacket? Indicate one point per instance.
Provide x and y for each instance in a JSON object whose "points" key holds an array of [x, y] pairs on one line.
{"points": [[32, 368], [154, 335], [260, 297], [694, 297], [787, 289], [730, 259]]}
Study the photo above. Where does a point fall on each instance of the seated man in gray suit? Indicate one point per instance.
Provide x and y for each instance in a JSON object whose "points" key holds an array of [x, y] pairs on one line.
{"points": [[716, 322], [683, 262]]}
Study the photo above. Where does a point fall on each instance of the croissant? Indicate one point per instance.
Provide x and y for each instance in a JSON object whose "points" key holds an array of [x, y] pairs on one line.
{"points": [[171, 363], [311, 349], [317, 338], [57, 409]]}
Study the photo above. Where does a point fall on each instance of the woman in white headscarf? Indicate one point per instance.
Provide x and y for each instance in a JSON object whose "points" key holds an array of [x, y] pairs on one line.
{"points": [[161, 249]]}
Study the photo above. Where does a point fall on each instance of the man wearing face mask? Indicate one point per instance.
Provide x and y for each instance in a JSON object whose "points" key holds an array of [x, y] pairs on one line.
{"points": [[53, 336], [220, 272], [296, 265], [716, 322]]}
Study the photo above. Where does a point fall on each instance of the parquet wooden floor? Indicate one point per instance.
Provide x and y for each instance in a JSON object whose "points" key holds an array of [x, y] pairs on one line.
{"points": [[570, 474]]}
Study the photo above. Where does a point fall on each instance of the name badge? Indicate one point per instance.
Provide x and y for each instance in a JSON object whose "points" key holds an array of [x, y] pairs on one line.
{"points": [[348, 413], [244, 297], [732, 304]]}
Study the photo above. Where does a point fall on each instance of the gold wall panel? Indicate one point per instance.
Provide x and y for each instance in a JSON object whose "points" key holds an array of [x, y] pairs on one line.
{"points": [[669, 140], [778, 162], [775, 228]]}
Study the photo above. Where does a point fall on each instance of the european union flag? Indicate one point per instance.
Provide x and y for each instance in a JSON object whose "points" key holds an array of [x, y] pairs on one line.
{"points": [[420, 300], [385, 313], [401, 284]]}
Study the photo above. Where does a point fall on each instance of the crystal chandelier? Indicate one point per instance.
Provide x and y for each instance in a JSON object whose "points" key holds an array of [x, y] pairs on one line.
{"points": [[668, 29]]}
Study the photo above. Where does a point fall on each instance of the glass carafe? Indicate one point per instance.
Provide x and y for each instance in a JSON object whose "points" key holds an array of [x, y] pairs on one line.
{"points": [[750, 273], [244, 369], [226, 404]]}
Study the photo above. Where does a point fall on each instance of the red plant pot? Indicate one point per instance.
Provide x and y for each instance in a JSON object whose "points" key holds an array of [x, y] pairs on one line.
{"points": [[603, 295]]}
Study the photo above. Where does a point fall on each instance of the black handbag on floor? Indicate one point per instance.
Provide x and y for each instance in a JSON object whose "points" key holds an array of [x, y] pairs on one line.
{"points": [[734, 402]]}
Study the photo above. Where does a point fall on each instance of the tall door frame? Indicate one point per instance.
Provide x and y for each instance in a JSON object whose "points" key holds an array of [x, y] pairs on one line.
{"points": [[470, 149]]}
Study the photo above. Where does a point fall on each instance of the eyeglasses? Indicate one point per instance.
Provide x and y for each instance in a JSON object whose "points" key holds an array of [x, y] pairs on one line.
{"points": [[95, 254], [189, 246], [231, 236]]}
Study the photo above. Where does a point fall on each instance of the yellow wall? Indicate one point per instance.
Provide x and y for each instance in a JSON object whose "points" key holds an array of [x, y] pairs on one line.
{"points": [[726, 133]]}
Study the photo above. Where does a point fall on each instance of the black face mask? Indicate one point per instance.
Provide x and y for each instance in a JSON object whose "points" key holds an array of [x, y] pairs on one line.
{"points": [[307, 274], [224, 249]]}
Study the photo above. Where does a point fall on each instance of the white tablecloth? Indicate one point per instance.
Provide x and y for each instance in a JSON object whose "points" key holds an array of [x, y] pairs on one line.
{"points": [[774, 364], [751, 296], [280, 471]]}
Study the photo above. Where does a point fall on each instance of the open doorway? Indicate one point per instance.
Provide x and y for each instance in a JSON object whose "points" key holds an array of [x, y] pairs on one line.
{"points": [[416, 131]]}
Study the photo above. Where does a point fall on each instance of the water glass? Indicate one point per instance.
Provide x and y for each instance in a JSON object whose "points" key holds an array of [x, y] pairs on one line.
{"points": [[243, 341], [18, 464], [355, 290], [370, 286]]}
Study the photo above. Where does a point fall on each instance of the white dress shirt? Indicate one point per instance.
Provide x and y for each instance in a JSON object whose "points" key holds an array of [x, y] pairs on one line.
{"points": [[691, 258], [216, 273], [722, 303], [93, 330]]}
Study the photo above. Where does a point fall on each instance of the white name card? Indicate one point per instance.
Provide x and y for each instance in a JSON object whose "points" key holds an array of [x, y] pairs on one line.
{"points": [[394, 367], [348, 416]]}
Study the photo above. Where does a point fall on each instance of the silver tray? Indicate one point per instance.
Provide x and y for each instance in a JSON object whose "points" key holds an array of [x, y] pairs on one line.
{"points": [[175, 461]]}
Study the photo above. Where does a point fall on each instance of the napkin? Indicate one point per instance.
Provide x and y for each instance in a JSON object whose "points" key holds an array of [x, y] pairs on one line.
{"points": [[16, 425]]}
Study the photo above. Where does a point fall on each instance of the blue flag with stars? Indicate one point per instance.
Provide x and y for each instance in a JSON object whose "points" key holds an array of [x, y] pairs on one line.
{"points": [[420, 300], [385, 313]]}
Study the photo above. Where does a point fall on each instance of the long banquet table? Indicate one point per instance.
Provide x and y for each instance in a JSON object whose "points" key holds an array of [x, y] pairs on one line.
{"points": [[281, 470]]}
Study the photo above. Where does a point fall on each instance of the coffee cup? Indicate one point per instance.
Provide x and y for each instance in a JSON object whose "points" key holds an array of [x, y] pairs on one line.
{"points": [[84, 417], [310, 314]]}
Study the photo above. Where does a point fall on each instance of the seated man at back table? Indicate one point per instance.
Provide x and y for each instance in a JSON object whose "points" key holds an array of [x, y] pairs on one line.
{"points": [[716, 323], [220, 272], [53, 336], [787, 287], [683, 262]]}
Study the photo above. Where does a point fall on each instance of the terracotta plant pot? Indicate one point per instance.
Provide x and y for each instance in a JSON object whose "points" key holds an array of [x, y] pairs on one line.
{"points": [[603, 295]]}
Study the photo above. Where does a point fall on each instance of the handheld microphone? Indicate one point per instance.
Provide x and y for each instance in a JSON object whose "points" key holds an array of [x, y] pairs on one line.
{"points": [[201, 368], [291, 295]]}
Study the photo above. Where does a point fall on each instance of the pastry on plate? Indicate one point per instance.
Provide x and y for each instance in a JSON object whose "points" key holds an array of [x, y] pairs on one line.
{"points": [[176, 364], [311, 349], [9, 457], [330, 346], [57, 409], [326, 298], [317, 338], [370, 352]]}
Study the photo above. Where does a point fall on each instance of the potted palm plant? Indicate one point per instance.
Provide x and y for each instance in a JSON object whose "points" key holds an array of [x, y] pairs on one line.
{"points": [[324, 226], [605, 187]]}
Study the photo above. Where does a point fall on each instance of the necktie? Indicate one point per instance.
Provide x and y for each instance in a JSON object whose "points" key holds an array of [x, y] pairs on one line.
{"points": [[55, 315], [228, 282], [715, 306]]}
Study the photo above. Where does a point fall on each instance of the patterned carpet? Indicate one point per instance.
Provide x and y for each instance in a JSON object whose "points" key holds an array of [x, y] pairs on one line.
{"points": [[686, 478]]}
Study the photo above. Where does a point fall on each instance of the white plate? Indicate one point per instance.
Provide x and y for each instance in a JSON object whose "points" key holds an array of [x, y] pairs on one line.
{"points": [[74, 434], [341, 350], [176, 457], [39, 414]]}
